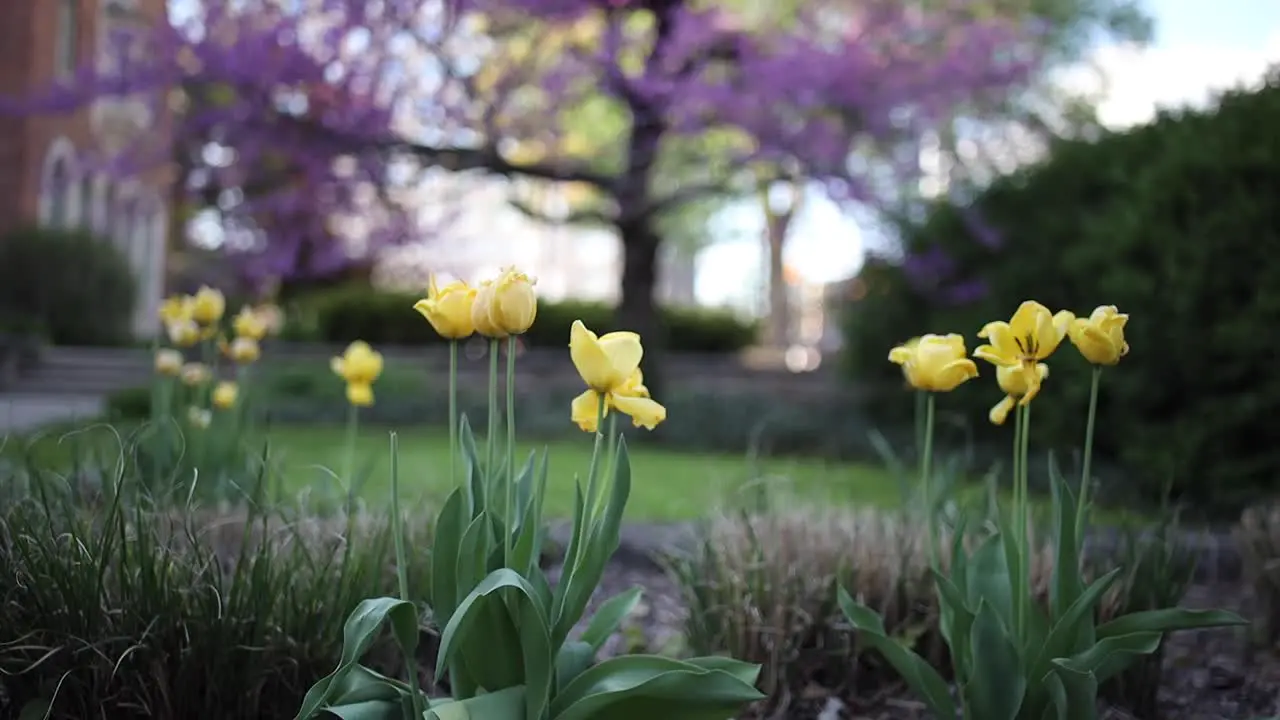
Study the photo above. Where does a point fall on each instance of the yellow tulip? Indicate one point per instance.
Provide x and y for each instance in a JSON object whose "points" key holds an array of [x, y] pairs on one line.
{"points": [[199, 418], [515, 304], [1016, 383], [224, 395], [448, 308], [208, 304], [175, 308], [183, 332], [1100, 337], [359, 365], [271, 316], [360, 394], [249, 324], [196, 374], [935, 363], [480, 316], [610, 366], [168, 362], [242, 350], [1028, 338]]}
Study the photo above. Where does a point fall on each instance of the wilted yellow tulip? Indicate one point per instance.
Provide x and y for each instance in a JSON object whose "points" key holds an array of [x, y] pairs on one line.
{"points": [[249, 324], [515, 304], [196, 374], [199, 418], [175, 308], [935, 363], [610, 366], [1016, 383], [480, 316], [242, 350], [168, 362], [448, 308], [1100, 337], [359, 364], [1029, 337], [224, 395], [183, 332], [207, 306]]}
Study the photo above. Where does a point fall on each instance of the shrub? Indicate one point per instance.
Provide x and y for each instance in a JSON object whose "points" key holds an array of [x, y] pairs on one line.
{"points": [[76, 288], [1176, 223], [1258, 537], [344, 314]]}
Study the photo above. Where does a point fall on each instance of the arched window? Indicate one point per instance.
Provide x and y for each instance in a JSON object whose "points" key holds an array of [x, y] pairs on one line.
{"points": [[67, 40], [59, 196]]}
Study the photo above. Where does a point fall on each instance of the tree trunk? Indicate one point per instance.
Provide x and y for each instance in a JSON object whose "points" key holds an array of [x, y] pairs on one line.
{"points": [[637, 310], [779, 324]]}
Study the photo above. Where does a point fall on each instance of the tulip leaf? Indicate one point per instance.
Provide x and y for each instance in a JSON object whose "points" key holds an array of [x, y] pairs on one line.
{"points": [[368, 710], [474, 479], [956, 621], [915, 672], [1074, 693], [361, 630], [1168, 620], [643, 687], [1111, 655], [610, 616], [573, 659], [996, 688], [1065, 585], [1065, 634], [989, 577], [527, 549], [444, 556], [505, 704], [572, 560]]}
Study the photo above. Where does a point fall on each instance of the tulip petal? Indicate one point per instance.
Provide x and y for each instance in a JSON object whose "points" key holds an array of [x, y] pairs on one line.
{"points": [[424, 308], [337, 365], [590, 359], [1000, 412], [644, 412], [585, 410], [901, 355], [1001, 343], [624, 351], [951, 375]]}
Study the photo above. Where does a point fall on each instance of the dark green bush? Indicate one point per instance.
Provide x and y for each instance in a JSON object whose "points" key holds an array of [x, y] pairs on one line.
{"points": [[76, 288], [356, 312], [1175, 222]]}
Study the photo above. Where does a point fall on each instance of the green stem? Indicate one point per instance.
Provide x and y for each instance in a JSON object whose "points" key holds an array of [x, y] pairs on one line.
{"points": [[1086, 478], [509, 510], [348, 469], [592, 472], [492, 434], [926, 479], [453, 411], [1022, 592], [402, 574]]}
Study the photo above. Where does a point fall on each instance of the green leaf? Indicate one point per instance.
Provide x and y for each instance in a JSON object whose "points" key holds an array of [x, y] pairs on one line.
{"points": [[572, 559], [916, 673], [473, 554], [527, 549], [1065, 585], [474, 471], [957, 622], [1111, 655], [573, 659], [996, 688], [643, 687], [450, 524], [989, 577], [358, 634], [1066, 634], [1168, 620], [1074, 694], [610, 615], [505, 704], [369, 710]]}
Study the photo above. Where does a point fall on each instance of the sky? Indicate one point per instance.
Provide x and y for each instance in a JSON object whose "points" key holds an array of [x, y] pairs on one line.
{"points": [[1199, 47]]}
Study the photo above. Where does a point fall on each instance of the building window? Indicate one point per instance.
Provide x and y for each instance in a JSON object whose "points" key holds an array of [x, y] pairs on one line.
{"points": [[66, 43]]}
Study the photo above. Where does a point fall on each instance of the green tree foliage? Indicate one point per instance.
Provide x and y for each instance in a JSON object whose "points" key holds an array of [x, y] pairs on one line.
{"points": [[1177, 223]]}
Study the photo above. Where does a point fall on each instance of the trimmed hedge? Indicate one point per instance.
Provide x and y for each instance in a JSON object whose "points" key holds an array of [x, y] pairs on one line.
{"points": [[1177, 223], [353, 312]]}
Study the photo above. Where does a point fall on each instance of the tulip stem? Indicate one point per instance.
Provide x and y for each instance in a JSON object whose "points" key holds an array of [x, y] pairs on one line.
{"points": [[1021, 509], [348, 469], [402, 575], [1086, 478], [453, 411], [593, 471], [926, 478], [509, 509], [492, 435]]}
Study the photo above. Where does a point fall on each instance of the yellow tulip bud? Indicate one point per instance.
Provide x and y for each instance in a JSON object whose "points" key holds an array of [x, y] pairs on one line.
{"points": [[480, 315], [249, 324], [1100, 337], [360, 394], [168, 362], [243, 350], [199, 418], [196, 374], [448, 309], [208, 305], [934, 363], [359, 365], [224, 395], [515, 304], [183, 332]]}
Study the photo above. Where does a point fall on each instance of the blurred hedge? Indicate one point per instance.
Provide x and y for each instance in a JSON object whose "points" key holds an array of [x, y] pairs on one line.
{"points": [[1176, 222], [343, 314]]}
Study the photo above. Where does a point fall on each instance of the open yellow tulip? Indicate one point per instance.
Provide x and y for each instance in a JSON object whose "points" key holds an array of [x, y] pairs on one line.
{"points": [[207, 305], [248, 323], [448, 308], [610, 366], [1014, 381], [1100, 337], [359, 366], [935, 363], [176, 308], [1028, 338]]}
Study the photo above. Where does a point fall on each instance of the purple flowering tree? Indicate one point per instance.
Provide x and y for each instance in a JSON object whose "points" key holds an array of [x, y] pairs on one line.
{"points": [[338, 107]]}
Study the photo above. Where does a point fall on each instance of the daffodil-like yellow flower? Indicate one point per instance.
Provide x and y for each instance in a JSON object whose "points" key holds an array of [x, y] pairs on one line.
{"points": [[208, 305], [196, 374], [514, 305], [1100, 337], [1014, 380], [176, 308], [934, 363], [480, 315], [243, 350], [1028, 338], [448, 308], [610, 366], [359, 366], [168, 362], [249, 324], [225, 394], [183, 332], [199, 418]]}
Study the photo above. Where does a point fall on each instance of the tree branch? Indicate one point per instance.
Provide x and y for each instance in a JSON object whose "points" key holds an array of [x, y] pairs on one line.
{"points": [[590, 216], [487, 158]]}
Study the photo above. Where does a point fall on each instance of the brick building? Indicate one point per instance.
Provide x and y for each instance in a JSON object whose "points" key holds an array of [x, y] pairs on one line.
{"points": [[47, 174]]}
